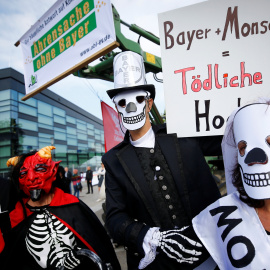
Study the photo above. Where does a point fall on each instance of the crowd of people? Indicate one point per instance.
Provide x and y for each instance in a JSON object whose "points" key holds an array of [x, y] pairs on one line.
{"points": [[162, 202]]}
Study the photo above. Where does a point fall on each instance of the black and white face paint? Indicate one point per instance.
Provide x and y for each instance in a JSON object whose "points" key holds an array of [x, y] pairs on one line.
{"points": [[131, 106], [252, 136]]}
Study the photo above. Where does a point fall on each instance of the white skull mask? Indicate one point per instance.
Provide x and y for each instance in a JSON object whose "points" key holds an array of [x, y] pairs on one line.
{"points": [[131, 106], [252, 136]]}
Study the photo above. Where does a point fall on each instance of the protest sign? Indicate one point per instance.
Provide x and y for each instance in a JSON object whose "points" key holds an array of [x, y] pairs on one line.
{"points": [[214, 58], [67, 37]]}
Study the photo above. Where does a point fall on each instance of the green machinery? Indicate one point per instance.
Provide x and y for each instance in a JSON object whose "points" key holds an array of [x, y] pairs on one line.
{"points": [[104, 69]]}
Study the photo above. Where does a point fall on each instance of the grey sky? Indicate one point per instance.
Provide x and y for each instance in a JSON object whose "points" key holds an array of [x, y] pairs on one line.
{"points": [[17, 16]]}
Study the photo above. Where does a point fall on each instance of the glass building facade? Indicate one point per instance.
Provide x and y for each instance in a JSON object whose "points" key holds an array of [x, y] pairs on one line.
{"points": [[46, 119]]}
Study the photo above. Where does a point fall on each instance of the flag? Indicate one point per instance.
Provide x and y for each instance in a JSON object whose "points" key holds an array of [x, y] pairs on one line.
{"points": [[113, 133]]}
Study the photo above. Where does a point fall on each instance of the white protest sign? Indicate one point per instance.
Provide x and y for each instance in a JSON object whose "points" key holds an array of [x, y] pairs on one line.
{"points": [[68, 36], [215, 57]]}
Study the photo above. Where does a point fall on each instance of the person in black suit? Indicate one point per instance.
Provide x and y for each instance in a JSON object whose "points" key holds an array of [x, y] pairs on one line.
{"points": [[155, 182], [68, 176], [89, 177]]}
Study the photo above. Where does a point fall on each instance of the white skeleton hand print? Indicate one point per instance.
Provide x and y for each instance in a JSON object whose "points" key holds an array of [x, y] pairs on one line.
{"points": [[179, 247]]}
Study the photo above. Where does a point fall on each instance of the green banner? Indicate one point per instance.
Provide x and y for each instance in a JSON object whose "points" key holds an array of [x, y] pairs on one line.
{"points": [[75, 15], [70, 39]]}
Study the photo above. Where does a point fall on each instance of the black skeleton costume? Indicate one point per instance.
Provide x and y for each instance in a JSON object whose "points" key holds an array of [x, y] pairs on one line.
{"points": [[152, 183], [60, 234]]}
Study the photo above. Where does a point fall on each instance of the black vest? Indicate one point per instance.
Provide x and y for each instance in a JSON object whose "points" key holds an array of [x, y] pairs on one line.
{"points": [[162, 187]]}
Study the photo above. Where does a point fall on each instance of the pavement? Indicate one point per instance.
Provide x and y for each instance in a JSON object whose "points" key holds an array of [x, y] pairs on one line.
{"points": [[94, 202]]}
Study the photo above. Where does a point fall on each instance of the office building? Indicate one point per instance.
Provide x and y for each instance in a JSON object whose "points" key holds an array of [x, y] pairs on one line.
{"points": [[46, 119]]}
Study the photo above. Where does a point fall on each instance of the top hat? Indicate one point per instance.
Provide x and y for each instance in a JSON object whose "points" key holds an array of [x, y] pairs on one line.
{"points": [[129, 74]]}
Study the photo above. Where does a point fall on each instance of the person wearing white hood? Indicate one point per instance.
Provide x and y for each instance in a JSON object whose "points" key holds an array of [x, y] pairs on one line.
{"points": [[155, 182], [235, 229]]}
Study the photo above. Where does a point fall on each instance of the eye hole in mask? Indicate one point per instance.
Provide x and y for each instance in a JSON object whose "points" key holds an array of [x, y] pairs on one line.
{"points": [[140, 99], [122, 103], [268, 140], [242, 145]]}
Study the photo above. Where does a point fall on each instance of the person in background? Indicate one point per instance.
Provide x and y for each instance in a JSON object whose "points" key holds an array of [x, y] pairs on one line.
{"points": [[68, 176], [101, 175], [50, 229], [76, 181], [89, 177], [61, 181]]}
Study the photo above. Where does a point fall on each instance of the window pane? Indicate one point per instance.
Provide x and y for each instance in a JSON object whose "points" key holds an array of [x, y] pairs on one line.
{"points": [[71, 120], [71, 130], [27, 109], [5, 94], [60, 136], [28, 140], [43, 144], [44, 108], [59, 112], [72, 158], [14, 95], [5, 151], [82, 136], [4, 141], [90, 126], [45, 140], [31, 101], [5, 102], [25, 124], [14, 115], [45, 135], [3, 162], [45, 120], [5, 108], [81, 126], [4, 116], [59, 129], [45, 126], [83, 147], [90, 132], [8, 102], [60, 150], [72, 136], [59, 119], [71, 141], [91, 144]]}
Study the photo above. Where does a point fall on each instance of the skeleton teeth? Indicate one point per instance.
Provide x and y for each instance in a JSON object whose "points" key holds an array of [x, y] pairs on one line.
{"points": [[257, 180], [134, 119]]}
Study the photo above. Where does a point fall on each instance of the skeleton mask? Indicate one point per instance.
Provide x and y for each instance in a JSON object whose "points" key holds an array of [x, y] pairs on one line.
{"points": [[252, 136], [131, 106]]}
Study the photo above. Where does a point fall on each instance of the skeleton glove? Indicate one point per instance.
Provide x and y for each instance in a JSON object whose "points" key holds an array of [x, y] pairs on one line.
{"points": [[178, 246], [71, 260]]}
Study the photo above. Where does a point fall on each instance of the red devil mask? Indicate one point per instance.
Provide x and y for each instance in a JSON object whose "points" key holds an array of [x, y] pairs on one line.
{"points": [[38, 172]]}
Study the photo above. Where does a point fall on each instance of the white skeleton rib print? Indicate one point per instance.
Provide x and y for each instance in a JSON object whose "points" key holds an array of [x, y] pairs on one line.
{"points": [[50, 242]]}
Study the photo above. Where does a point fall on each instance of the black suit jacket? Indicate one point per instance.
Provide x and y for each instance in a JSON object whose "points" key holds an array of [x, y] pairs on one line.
{"points": [[130, 207], [89, 175]]}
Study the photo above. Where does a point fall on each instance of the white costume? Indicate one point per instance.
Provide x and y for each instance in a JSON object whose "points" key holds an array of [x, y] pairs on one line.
{"points": [[230, 229]]}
